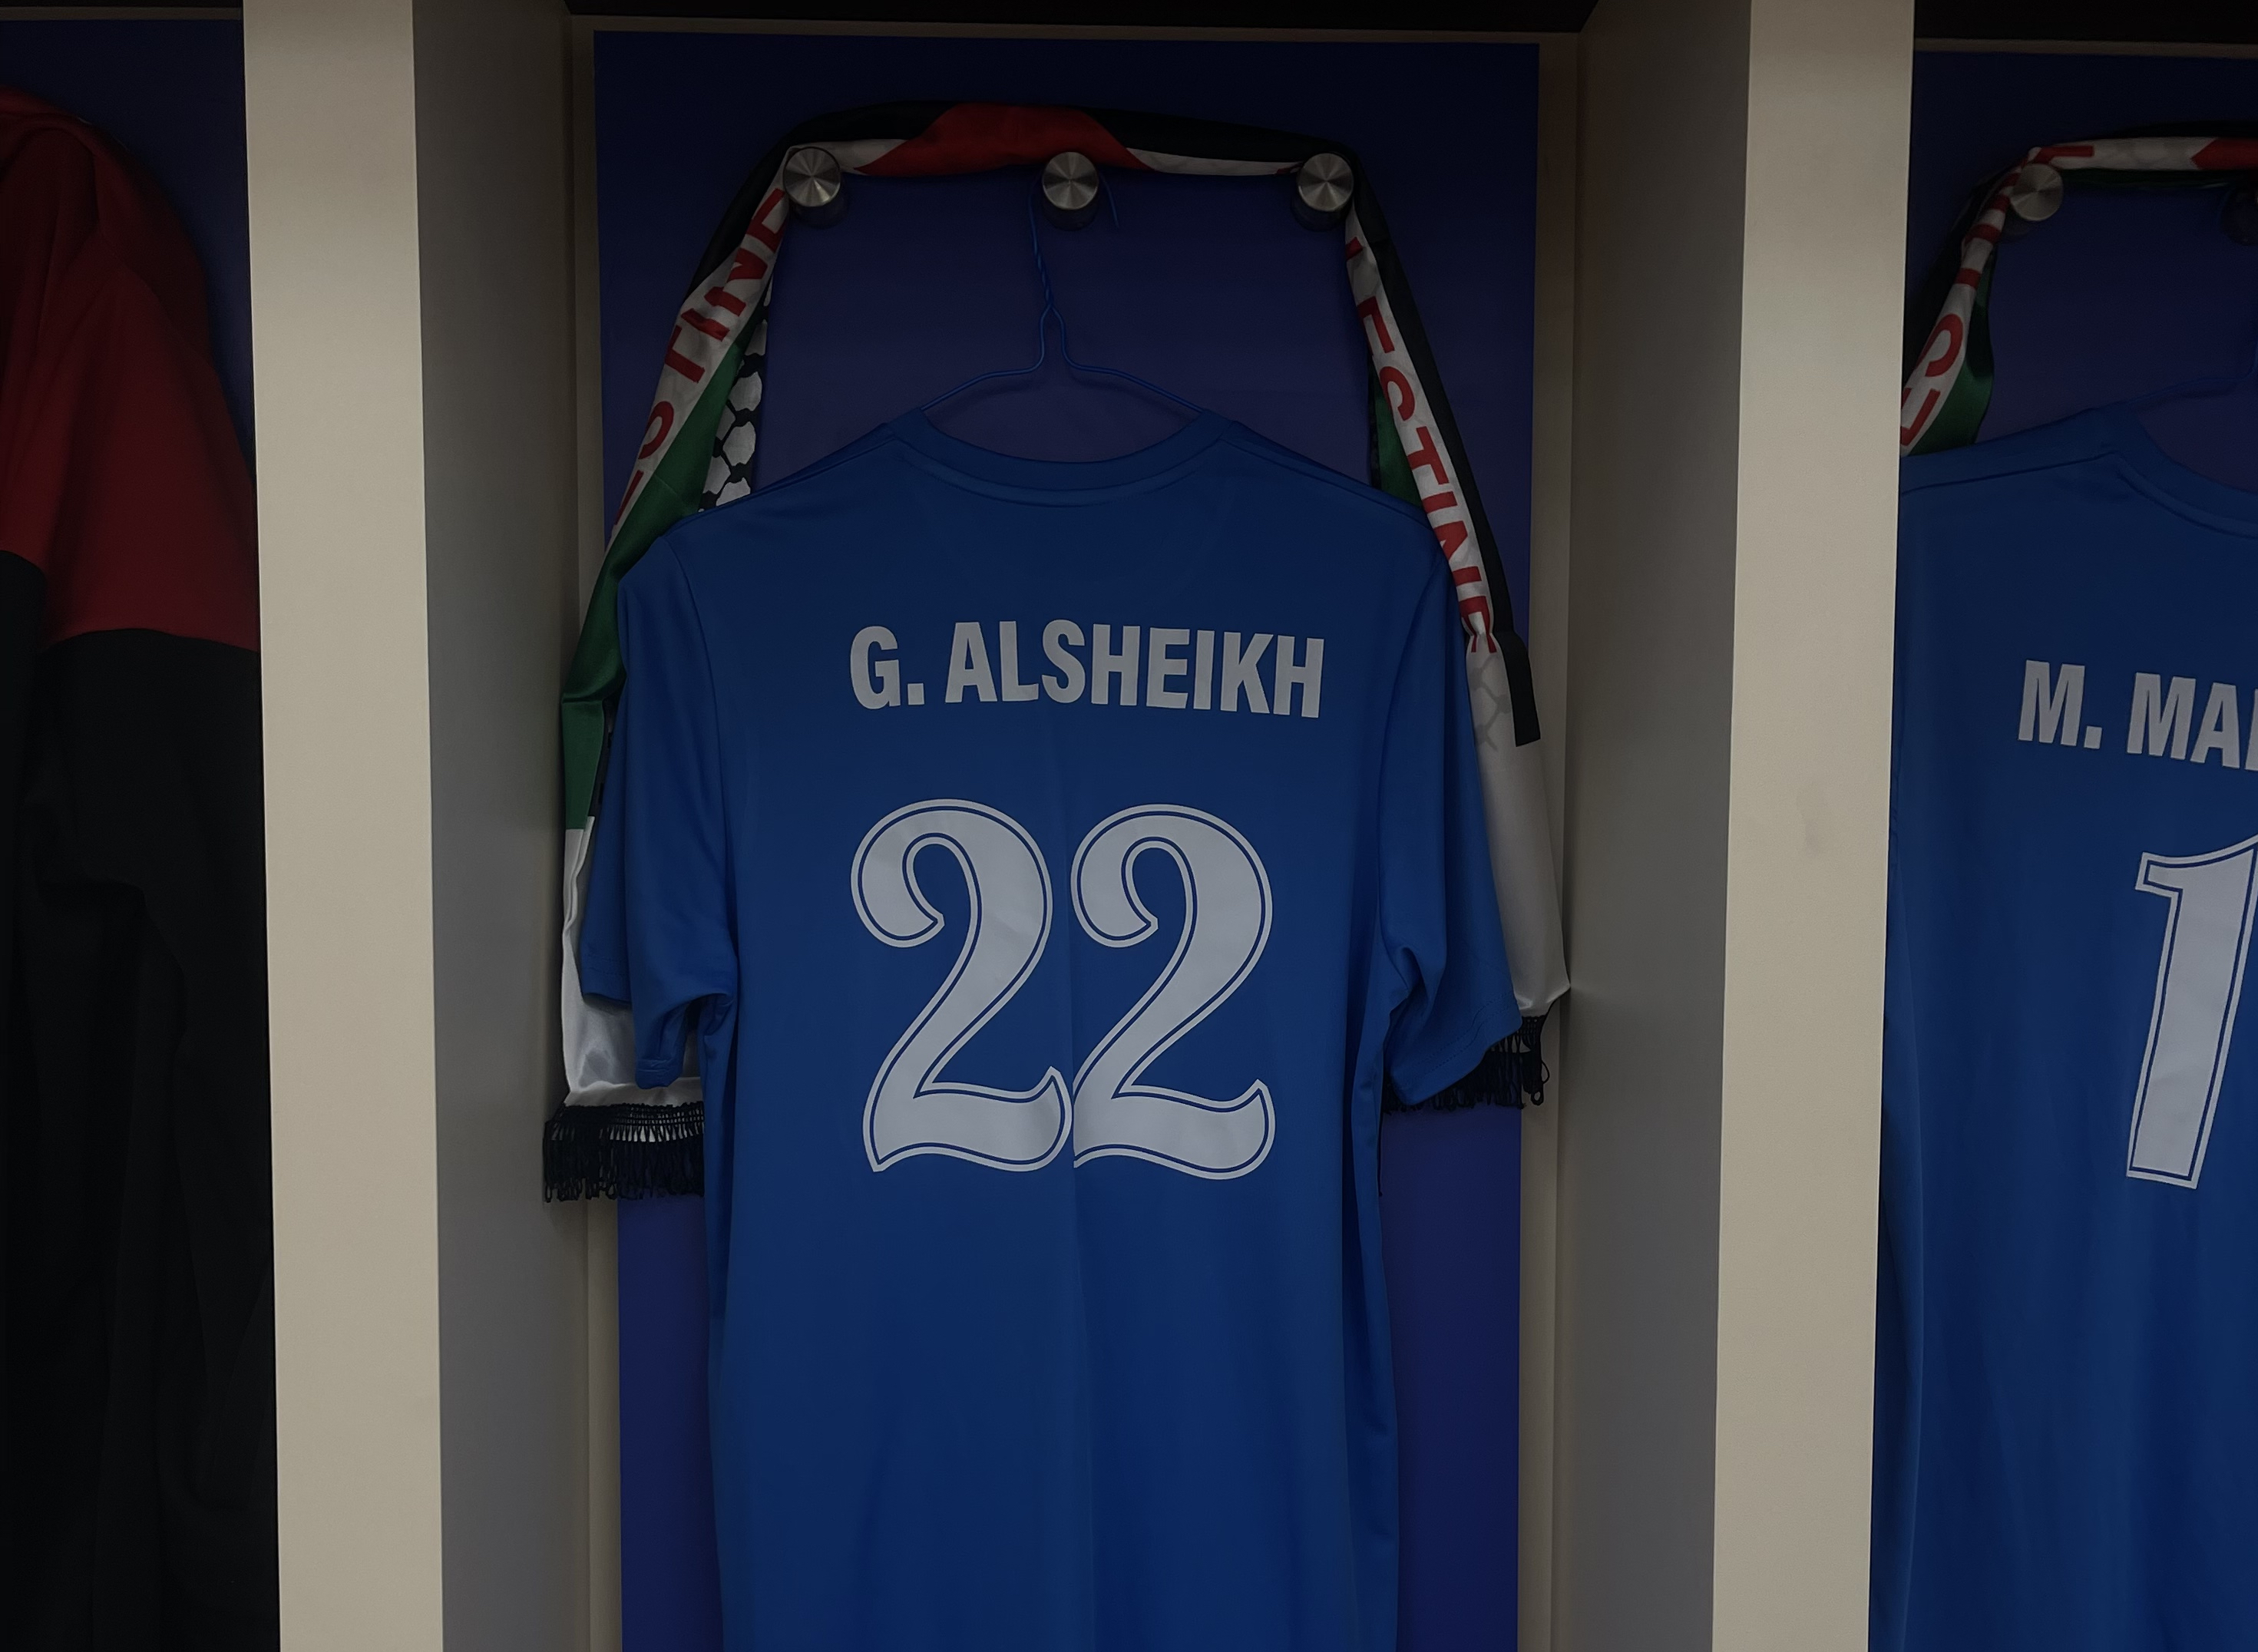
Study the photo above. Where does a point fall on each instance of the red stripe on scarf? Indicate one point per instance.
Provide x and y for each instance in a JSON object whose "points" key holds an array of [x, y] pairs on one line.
{"points": [[981, 137]]}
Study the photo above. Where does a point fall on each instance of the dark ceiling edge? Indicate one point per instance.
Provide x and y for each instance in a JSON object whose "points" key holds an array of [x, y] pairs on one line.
{"points": [[108, 11], [1528, 16], [2088, 45], [2190, 24], [2186, 25], [2177, 23]]}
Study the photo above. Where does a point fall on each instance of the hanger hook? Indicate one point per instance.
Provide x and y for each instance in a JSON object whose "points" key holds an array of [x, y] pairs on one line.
{"points": [[1050, 310], [1050, 313]]}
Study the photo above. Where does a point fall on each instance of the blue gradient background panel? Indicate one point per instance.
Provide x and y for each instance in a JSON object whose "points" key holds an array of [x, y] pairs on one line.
{"points": [[2121, 292], [1208, 287]]}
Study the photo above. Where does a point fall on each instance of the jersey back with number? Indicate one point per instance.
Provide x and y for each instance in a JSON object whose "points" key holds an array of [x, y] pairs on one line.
{"points": [[2067, 1452], [1052, 861]]}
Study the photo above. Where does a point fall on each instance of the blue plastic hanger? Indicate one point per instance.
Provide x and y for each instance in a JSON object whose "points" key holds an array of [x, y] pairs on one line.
{"points": [[1050, 313]]}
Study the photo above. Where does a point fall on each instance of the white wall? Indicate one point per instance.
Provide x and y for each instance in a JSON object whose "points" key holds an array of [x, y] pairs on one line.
{"points": [[1815, 600], [1740, 256], [410, 268], [329, 92], [492, 136], [1552, 392]]}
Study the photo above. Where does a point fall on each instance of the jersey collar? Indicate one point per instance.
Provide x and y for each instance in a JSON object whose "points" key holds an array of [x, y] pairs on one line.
{"points": [[1052, 479]]}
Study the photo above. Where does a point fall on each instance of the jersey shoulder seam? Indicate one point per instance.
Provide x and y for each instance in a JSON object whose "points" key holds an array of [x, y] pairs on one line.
{"points": [[861, 447], [1996, 469]]}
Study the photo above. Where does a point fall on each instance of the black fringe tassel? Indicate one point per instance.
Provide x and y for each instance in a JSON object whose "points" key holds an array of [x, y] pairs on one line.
{"points": [[632, 1151], [1511, 1074]]}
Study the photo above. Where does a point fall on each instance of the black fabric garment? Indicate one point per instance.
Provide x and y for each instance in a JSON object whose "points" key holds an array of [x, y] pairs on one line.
{"points": [[22, 590], [139, 1444]]}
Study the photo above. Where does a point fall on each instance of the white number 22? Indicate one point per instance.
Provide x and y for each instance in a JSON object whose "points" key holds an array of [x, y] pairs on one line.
{"points": [[2198, 985], [911, 1111], [1226, 924]]}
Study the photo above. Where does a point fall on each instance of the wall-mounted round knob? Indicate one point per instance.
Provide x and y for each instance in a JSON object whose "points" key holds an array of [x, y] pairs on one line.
{"points": [[814, 185], [1323, 189], [1070, 188], [2035, 195]]}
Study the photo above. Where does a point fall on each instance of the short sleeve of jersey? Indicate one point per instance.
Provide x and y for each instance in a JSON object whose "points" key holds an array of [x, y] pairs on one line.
{"points": [[658, 934], [1438, 918], [603, 945]]}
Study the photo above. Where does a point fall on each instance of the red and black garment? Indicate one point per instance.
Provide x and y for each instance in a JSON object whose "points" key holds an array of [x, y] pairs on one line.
{"points": [[138, 1478]]}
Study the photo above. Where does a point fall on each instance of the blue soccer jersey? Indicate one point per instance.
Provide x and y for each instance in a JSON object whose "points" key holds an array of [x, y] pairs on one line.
{"points": [[2067, 1457], [1051, 862]]}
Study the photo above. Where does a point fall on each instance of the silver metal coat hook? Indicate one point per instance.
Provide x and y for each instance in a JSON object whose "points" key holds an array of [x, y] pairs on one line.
{"points": [[1070, 189], [2035, 195], [814, 185], [1323, 188]]}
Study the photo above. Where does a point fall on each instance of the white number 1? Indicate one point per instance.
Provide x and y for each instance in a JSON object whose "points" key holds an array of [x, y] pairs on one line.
{"points": [[2198, 984]]}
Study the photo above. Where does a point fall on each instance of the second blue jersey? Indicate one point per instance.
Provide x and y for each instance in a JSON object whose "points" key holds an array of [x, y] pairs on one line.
{"points": [[1052, 863], [2068, 1429]]}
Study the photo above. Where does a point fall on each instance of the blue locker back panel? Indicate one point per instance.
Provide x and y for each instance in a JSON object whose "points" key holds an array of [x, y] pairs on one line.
{"points": [[2121, 292], [1213, 290]]}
